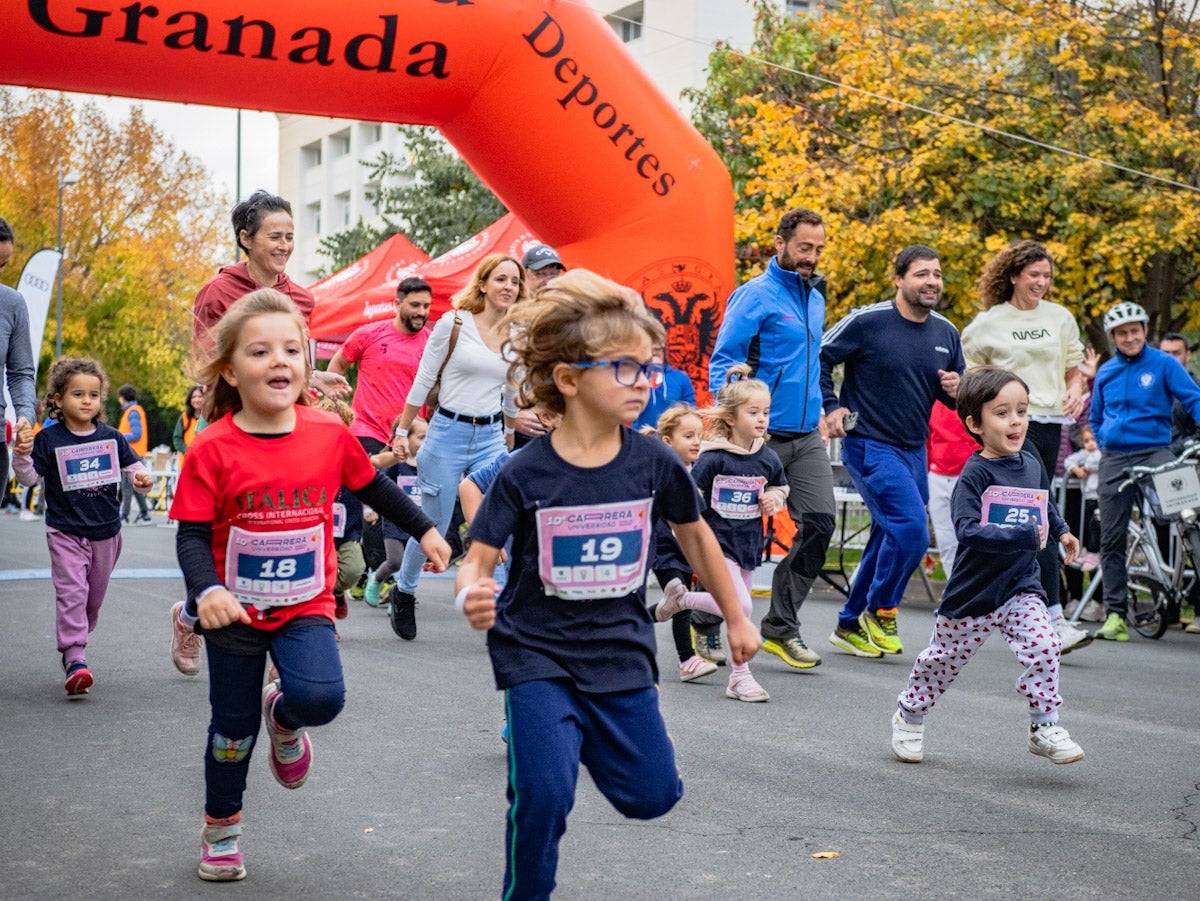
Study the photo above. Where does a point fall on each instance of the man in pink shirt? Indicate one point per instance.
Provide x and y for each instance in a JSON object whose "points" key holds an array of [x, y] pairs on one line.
{"points": [[388, 354]]}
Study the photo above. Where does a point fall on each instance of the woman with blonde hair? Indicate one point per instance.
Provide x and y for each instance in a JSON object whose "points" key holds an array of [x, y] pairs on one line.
{"points": [[466, 430]]}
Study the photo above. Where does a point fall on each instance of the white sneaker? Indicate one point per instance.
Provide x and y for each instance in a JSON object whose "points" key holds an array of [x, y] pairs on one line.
{"points": [[1054, 743], [672, 601], [1072, 639], [908, 741], [744, 687], [27, 516]]}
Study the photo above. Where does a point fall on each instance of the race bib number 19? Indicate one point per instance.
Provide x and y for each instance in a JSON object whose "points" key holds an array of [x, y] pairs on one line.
{"points": [[88, 465], [275, 569], [594, 552]]}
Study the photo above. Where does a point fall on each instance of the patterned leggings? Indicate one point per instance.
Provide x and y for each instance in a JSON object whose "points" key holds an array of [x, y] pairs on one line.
{"points": [[1026, 627]]}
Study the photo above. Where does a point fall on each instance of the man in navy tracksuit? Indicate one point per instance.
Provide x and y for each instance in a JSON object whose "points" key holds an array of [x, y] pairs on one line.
{"points": [[900, 356], [1132, 400], [774, 323]]}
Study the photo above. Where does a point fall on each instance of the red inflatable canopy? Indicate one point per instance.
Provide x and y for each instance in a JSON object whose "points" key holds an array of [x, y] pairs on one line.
{"points": [[352, 297]]}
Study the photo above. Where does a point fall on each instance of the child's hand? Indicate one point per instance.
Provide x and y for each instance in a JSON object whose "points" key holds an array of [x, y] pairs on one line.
{"points": [[219, 609], [143, 480], [436, 549], [769, 504], [384, 459], [480, 604], [24, 444], [1070, 544], [744, 640]]}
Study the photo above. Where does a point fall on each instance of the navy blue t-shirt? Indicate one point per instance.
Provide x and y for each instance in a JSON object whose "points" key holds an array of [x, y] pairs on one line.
{"points": [[574, 605], [353, 529], [994, 563], [727, 483], [891, 374], [92, 510]]}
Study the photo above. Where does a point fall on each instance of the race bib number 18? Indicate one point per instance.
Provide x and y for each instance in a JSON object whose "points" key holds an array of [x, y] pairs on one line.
{"points": [[275, 569], [593, 552]]}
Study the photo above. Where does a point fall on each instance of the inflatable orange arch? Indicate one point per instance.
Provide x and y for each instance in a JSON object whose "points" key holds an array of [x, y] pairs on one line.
{"points": [[539, 96]]}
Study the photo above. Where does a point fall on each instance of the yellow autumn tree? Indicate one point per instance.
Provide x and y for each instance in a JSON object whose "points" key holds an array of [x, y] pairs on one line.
{"points": [[142, 230], [968, 124]]}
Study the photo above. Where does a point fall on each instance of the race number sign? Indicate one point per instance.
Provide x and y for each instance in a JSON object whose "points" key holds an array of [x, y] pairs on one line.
{"points": [[88, 465], [593, 552], [408, 484], [736, 497], [275, 569], [1015, 507], [339, 520], [1177, 490]]}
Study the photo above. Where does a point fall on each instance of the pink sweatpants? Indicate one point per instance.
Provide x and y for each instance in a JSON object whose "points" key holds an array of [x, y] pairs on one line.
{"points": [[702, 600], [80, 569], [1026, 627]]}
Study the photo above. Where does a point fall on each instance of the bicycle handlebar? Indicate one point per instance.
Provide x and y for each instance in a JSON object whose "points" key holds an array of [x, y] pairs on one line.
{"points": [[1137, 473]]}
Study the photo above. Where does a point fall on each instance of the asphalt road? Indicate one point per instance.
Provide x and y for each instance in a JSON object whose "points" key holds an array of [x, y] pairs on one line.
{"points": [[101, 797]]}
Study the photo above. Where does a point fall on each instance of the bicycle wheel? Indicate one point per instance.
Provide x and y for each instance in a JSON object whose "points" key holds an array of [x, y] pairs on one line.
{"points": [[1146, 596]]}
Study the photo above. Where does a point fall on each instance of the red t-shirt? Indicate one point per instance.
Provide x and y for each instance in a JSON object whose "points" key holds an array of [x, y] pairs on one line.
{"points": [[387, 361], [270, 502], [949, 442]]}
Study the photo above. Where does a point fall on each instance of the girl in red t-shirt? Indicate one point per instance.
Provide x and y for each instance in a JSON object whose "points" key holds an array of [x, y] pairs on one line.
{"points": [[255, 543]]}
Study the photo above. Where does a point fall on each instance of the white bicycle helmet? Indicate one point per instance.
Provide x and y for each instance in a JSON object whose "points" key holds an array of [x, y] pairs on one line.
{"points": [[1122, 313]]}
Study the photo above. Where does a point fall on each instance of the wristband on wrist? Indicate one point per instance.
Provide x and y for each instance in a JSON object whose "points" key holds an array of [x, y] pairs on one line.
{"points": [[509, 431], [460, 599], [401, 433]]}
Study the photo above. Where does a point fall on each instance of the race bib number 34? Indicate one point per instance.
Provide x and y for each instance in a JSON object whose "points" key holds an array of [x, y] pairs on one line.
{"points": [[593, 552], [275, 569], [88, 465]]}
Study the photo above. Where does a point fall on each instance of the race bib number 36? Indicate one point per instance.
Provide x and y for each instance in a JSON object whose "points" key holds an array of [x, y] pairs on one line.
{"points": [[593, 552], [1014, 507], [275, 569], [88, 465], [736, 497]]}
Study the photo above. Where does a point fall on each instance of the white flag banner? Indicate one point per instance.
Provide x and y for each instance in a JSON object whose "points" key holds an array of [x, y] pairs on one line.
{"points": [[36, 285]]}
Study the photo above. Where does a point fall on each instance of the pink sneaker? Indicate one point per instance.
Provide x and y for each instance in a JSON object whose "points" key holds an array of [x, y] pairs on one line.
{"points": [[672, 601], [744, 687], [220, 853], [291, 752], [185, 644], [696, 667]]}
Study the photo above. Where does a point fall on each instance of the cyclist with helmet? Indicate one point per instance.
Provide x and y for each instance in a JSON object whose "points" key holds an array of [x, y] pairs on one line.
{"points": [[1131, 419]]}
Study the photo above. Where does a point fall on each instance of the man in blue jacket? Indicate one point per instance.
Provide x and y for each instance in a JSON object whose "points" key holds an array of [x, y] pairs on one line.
{"points": [[1132, 401], [774, 322]]}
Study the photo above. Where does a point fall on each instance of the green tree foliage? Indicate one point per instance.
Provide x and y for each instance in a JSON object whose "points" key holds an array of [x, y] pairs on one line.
{"points": [[428, 192], [879, 130], [142, 231]]}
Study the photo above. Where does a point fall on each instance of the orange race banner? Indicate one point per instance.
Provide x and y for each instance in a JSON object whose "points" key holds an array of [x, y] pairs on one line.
{"points": [[539, 96]]}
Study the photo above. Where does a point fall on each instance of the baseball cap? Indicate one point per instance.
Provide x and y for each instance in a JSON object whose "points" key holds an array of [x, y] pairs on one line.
{"points": [[539, 256]]}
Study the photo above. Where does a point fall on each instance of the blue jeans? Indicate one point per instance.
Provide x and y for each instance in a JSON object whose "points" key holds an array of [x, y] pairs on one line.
{"points": [[314, 692], [893, 482], [552, 728], [451, 451]]}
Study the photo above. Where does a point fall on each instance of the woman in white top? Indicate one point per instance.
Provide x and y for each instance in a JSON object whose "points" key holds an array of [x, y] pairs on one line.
{"points": [[467, 430], [1020, 330]]}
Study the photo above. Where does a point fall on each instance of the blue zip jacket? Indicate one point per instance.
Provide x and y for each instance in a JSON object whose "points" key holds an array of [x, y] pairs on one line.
{"points": [[1132, 400], [787, 317]]}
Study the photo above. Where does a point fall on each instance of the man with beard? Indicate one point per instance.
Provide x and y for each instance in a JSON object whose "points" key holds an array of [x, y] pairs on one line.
{"points": [[899, 356], [388, 354], [774, 323]]}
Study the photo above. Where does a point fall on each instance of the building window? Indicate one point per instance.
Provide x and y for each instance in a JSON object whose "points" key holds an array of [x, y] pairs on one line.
{"points": [[314, 218], [799, 7], [627, 22], [341, 209], [339, 144], [310, 156]]}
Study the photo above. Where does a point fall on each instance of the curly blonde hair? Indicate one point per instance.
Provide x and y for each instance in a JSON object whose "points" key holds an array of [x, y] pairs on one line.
{"points": [[672, 418], [995, 285], [578, 317], [220, 397]]}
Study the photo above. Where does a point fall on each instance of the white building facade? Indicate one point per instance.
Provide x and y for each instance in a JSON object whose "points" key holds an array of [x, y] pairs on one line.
{"points": [[321, 169]]}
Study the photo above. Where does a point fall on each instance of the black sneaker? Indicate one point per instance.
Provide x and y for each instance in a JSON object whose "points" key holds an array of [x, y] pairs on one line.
{"points": [[402, 612]]}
